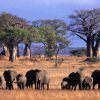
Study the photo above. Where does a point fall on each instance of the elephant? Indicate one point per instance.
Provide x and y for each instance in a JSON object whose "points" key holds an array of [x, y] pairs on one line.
{"points": [[64, 83], [42, 78], [74, 79], [87, 83], [21, 81], [10, 77], [31, 78], [96, 78]]}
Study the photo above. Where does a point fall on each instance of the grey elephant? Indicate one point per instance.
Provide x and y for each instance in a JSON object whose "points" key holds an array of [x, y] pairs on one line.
{"points": [[31, 78], [21, 81], [42, 78], [87, 83], [10, 77], [96, 78], [64, 83]]}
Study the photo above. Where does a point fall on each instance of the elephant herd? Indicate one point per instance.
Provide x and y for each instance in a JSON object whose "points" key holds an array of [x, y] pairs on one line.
{"points": [[40, 79], [36, 77], [75, 79]]}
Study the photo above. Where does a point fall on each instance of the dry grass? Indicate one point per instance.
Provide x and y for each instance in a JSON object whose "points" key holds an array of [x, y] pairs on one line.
{"points": [[70, 64]]}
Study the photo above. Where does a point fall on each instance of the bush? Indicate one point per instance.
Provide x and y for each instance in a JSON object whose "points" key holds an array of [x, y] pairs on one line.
{"points": [[60, 61], [49, 53], [93, 60], [79, 52]]}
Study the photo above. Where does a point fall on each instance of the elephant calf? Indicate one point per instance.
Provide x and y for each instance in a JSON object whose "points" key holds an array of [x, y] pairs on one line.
{"points": [[42, 78], [87, 83], [21, 81], [64, 83]]}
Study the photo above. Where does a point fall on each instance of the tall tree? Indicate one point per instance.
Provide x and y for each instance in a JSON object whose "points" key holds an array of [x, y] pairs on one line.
{"points": [[86, 25], [12, 31], [52, 30]]}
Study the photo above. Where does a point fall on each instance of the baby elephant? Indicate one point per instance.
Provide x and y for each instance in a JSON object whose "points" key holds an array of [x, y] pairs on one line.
{"points": [[87, 83], [64, 83], [21, 81], [42, 78]]}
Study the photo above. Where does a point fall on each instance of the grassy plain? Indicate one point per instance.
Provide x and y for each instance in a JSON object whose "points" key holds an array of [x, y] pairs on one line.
{"points": [[70, 64]]}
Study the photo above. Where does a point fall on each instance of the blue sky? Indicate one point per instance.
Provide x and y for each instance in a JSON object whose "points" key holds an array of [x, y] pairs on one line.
{"points": [[48, 9]]}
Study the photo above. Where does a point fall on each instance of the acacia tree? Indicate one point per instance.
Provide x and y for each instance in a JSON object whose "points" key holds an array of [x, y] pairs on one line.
{"points": [[52, 30], [48, 38], [61, 43], [86, 25], [53, 36], [12, 31]]}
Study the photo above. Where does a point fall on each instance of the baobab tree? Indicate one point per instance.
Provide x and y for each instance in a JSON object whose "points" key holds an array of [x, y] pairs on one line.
{"points": [[13, 29], [86, 25]]}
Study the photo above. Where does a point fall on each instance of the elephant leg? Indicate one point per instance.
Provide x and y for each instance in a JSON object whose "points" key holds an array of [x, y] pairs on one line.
{"points": [[40, 86], [23, 86], [94, 85], [80, 85], [35, 86], [89, 87], [98, 86], [12, 86], [43, 86], [47, 86], [32, 86], [75, 87], [7, 85], [68, 86]]}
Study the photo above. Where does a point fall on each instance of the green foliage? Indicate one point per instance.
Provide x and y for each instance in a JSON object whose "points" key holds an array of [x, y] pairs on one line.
{"points": [[79, 52], [15, 34], [53, 42], [32, 36]]}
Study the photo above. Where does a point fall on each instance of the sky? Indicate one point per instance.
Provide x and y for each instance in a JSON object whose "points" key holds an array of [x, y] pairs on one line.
{"points": [[48, 9]]}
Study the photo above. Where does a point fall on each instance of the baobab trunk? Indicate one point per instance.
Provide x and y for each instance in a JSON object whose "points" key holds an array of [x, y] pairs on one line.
{"points": [[18, 53], [98, 52], [97, 48], [12, 53], [89, 47], [30, 52], [4, 51], [27, 50]]}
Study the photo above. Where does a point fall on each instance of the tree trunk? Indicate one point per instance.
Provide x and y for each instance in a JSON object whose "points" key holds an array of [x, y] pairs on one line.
{"points": [[56, 61], [97, 49], [89, 47], [12, 53], [4, 51], [98, 52], [26, 50], [18, 53], [30, 51]]}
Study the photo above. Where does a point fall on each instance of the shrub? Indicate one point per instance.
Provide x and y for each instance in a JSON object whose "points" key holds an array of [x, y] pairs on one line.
{"points": [[79, 52], [93, 60]]}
